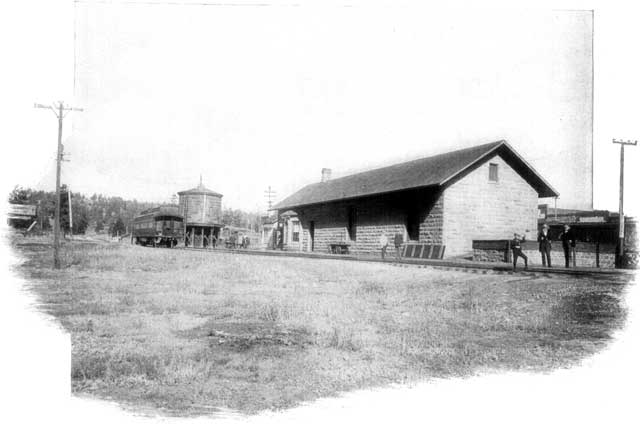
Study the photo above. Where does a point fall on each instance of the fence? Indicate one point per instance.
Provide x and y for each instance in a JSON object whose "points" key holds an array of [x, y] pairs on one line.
{"points": [[600, 255]]}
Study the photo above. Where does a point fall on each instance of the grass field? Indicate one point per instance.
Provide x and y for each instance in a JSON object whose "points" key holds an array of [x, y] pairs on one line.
{"points": [[189, 332]]}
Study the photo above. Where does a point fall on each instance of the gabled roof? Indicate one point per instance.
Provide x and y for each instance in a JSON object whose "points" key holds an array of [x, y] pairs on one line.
{"points": [[438, 170], [201, 189]]}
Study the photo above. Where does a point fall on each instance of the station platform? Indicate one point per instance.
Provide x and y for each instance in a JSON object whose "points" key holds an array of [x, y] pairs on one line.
{"points": [[453, 264]]}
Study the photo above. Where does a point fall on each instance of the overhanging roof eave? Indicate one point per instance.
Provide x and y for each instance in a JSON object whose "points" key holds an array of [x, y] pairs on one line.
{"points": [[360, 196]]}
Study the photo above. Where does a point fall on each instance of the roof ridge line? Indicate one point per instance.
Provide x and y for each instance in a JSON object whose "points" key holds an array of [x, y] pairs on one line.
{"points": [[478, 159], [411, 160]]}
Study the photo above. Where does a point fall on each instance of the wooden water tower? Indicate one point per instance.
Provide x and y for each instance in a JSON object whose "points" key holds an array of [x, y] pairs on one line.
{"points": [[202, 210]]}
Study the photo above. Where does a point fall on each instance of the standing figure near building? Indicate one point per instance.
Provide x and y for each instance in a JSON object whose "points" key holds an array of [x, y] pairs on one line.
{"points": [[544, 245], [568, 244], [516, 249], [397, 243], [214, 240], [384, 243]]}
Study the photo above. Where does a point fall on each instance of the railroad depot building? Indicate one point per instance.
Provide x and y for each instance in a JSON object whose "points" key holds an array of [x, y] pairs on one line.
{"points": [[483, 192]]}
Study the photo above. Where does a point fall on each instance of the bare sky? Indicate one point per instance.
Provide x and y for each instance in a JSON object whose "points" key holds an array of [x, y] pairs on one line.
{"points": [[256, 96]]}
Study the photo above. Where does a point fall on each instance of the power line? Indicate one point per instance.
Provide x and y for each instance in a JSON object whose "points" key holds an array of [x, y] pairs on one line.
{"points": [[60, 110]]}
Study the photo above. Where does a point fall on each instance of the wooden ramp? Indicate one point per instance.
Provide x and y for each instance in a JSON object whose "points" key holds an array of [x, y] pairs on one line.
{"points": [[423, 251]]}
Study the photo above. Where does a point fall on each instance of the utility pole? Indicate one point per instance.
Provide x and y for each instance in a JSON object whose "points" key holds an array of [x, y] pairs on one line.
{"points": [[70, 214], [60, 110], [186, 215], [621, 212]]}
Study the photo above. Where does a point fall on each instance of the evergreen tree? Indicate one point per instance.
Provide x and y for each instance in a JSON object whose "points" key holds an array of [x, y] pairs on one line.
{"points": [[20, 196], [118, 228]]}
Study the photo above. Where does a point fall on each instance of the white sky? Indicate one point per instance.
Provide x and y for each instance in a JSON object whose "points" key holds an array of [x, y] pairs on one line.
{"points": [[253, 96]]}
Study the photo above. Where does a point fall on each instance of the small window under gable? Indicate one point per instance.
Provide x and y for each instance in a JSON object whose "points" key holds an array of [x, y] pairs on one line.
{"points": [[493, 172]]}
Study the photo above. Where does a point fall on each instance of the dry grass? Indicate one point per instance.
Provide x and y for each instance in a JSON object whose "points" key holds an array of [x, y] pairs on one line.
{"points": [[179, 330]]}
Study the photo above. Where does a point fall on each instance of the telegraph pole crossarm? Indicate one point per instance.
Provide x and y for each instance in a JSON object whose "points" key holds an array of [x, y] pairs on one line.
{"points": [[620, 249], [270, 195]]}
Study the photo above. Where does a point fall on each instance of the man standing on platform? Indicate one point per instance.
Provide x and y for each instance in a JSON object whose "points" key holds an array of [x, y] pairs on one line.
{"points": [[384, 242], [544, 245], [397, 242], [568, 243], [516, 249]]}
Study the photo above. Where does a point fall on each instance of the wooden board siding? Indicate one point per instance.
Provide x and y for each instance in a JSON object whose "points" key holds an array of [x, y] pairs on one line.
{"points": [[201, 209]]}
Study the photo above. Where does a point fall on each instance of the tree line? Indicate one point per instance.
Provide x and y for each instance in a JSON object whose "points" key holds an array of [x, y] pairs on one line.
{"points": [[101, 214]]}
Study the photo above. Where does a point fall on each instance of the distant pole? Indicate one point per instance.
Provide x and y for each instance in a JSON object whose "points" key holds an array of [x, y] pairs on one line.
{"points": [[621, 211], [39, 215], [60, 113], [186, 203], [270, 195], [70, 215]]}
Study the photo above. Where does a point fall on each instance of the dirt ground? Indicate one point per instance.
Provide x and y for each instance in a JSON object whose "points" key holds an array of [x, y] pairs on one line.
{"points": [[189, 332]]}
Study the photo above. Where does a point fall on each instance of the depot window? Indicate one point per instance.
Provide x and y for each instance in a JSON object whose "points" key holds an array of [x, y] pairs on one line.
{"points": [[493, 172]]}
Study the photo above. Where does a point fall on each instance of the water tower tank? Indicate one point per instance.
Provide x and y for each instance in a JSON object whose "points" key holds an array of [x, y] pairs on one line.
{"points": [[201, 207]]}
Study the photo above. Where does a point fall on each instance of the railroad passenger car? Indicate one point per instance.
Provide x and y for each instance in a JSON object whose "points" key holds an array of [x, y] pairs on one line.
{"points": [[159, 226]]}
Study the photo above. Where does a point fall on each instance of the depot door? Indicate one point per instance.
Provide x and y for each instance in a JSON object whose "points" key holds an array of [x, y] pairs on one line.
{"points": [[312, 231]]}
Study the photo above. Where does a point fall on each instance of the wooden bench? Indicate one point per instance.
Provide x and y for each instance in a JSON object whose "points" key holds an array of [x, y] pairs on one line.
{"points": [[339, 248]]}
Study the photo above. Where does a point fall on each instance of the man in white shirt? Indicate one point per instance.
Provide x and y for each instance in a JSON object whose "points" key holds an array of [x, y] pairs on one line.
{"points": [[384, 242]]}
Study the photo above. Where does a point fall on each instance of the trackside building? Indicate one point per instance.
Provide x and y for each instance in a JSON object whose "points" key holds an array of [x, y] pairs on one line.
{"points": [[483, 192]]}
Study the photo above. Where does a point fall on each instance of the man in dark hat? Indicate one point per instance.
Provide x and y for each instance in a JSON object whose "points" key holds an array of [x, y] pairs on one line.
{"points": [[568, 243], [544, 245], [516, 249], [397, 243]]}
